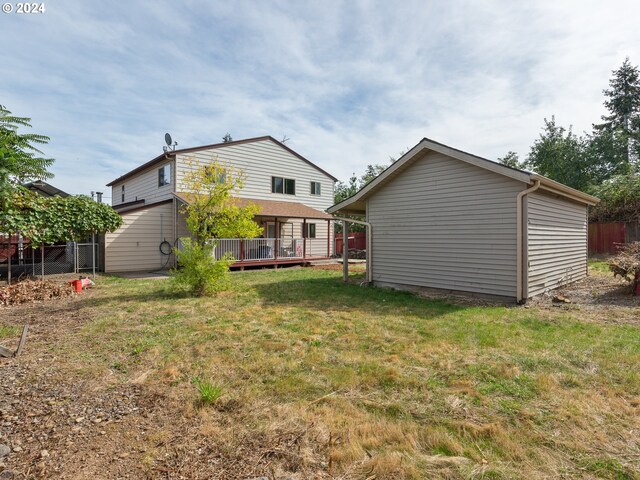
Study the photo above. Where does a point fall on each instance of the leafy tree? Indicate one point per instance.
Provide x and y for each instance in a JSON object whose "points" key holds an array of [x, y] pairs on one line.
{"points": [[211, 214], [20, 159], [619, 199], [512, 160], [345, 190], [623, 121], [560, 155], [227, 138]]}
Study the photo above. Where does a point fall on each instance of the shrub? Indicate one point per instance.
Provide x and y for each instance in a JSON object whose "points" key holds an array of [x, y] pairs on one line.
{"points": [[626, 263], [199, 271]]}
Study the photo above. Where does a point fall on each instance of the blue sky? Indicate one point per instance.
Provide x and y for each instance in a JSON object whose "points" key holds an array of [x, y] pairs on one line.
{"points": [[350, 83]]}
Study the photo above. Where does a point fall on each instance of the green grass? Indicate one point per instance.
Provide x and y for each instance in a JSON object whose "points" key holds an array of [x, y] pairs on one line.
{"points": [[209, 392], [512, 392], [599, 266], [8, 331]]}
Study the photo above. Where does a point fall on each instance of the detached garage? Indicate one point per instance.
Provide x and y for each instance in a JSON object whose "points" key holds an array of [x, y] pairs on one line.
{"points": [[445, 219]]}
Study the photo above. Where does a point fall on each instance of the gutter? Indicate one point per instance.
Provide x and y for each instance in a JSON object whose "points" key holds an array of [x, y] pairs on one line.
{"points": [[519, 239]]}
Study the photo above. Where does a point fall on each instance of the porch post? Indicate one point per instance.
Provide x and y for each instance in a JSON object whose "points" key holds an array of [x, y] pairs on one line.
{"points": [[242, 249], [304, 238], [328, 238], [277, 235], [345, 252]]}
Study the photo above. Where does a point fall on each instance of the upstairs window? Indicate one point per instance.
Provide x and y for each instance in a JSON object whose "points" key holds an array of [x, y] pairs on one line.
{"points": [[315, 188], [164, 175], [122, 193], [283, 185]]}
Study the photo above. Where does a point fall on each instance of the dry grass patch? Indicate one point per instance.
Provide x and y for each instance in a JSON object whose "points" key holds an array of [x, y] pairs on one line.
{"points": [[317, 379]]}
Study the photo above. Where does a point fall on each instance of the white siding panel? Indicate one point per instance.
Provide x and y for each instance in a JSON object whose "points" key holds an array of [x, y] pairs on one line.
{"points": [[556, 242], [144, 186], [443, 223], [259, 161], [135, 246]]}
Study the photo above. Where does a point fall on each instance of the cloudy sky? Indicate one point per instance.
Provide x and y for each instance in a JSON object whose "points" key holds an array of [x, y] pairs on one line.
{"points": [[350, 83]]}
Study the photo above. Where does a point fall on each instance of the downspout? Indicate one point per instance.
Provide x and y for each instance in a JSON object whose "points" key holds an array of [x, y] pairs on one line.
{"points": [[519, 239], [369, 243]]}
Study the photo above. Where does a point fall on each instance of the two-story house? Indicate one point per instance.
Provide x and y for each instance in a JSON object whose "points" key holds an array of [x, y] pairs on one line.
{"points": [[292, 193]]}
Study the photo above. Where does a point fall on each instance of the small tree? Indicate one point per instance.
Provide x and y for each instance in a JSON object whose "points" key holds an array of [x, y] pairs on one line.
{"points": [[19, 157], [211, 214]]}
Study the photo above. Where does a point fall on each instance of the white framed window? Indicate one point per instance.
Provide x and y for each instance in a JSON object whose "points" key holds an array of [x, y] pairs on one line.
{"points": [[164, 175], [315, 188], [283, 185]]}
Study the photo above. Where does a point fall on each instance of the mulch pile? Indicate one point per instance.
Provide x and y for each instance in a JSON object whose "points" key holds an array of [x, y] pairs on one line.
{"points": [[28, 291]]}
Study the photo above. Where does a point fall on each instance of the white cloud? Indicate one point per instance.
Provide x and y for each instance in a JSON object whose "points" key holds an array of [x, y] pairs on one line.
{"points": [[350, 82]]}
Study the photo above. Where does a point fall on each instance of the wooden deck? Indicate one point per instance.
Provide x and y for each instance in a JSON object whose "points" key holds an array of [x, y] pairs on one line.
{"points": [[270, 262]]}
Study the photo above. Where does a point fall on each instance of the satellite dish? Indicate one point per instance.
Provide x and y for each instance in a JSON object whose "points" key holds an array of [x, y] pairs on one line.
{"points": [[167, 139]]}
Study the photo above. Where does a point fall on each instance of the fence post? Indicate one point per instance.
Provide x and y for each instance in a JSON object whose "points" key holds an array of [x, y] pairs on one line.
{"points": [[9, 262], [93, 253], [42, 261]]}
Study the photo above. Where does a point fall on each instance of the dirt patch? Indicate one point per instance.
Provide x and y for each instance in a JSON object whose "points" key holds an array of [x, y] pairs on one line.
{"points": [[599, 297]]}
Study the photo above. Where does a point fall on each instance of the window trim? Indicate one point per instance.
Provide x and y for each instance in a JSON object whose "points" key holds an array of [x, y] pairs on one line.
{"points": [[310, 230], [284, 182], [164, 176], [313, 190]]}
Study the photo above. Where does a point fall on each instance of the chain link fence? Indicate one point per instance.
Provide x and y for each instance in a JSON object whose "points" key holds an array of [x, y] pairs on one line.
{"points": [[19, 259]]}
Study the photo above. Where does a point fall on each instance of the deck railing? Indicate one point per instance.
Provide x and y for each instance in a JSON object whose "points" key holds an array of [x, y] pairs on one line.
{"points": [[265, 249]]}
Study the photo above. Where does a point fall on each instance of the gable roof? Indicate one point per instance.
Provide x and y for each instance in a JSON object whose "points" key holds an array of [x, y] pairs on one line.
{"points": [[270, 208], [356, 203], [164, 156]]}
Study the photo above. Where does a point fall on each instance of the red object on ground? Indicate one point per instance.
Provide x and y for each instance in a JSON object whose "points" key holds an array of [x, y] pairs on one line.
{"points": [[77, 285]]}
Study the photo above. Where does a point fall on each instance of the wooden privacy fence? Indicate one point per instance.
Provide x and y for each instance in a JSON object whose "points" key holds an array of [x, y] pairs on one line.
{"points": [[357, 240], [608, 237]]}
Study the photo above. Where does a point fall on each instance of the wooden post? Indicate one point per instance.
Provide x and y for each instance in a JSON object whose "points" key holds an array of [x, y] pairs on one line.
{"points": [[329, 238], [304, 238], [277, 235], [23, 338], [345, 252]]}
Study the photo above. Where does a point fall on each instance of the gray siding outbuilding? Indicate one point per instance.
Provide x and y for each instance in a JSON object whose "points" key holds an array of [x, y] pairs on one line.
{"points": [[441, 218]]}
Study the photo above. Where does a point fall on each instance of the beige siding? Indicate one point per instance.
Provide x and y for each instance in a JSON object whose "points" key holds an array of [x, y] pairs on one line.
{"points": [[144, 186], [136, 245], [259, 161], [446, 224], [556, 242]]}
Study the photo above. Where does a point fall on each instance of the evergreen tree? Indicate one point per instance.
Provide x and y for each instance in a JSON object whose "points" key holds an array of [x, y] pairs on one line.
{"points": [[227, 138], [621, 127]]}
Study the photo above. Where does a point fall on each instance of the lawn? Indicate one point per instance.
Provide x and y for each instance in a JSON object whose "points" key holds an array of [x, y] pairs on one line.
{"points": [[294, 374]]}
